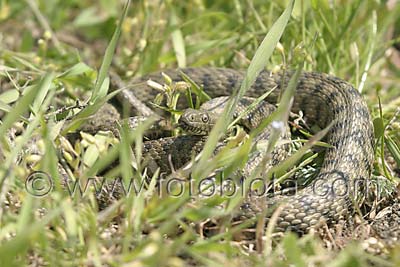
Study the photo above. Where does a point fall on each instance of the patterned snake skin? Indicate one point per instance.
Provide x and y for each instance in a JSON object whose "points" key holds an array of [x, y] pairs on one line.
{"points": [[322, 99]]}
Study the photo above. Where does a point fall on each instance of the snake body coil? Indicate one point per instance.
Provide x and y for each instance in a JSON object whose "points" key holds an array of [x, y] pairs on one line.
{"points": [[322, 99]]}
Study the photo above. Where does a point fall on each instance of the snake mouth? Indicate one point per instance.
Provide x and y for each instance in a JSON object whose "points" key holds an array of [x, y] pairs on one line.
{"points": [[192, 129]]}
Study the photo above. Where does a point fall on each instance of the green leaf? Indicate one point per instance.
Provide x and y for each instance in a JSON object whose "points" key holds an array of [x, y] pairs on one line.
{"points": [[195, 88], [379, 127], [20, 108], [88, 17], [75, 70], [5, 107], [293, 251], [9, 96]]}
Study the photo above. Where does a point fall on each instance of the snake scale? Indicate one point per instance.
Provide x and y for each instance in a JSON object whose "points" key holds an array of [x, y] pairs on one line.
{"points": [[322, 99]]}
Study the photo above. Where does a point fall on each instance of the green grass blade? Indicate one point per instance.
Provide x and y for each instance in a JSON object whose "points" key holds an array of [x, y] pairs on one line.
{"points": [[257, 64], [87, 111], [293, 159], [23, 240], [21, 107], [43, 89], [265, 49], [177, 41], [371, 50], [99, 90], [394, 149]]}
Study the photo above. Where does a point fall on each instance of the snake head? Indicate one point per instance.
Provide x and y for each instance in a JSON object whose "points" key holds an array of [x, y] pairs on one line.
{"points": [[197, 122]]}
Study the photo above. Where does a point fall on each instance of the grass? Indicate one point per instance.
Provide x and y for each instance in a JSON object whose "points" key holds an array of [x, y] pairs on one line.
{"points": [[49, 56]]}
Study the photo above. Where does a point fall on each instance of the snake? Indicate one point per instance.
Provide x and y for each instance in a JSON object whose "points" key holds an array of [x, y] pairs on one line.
{"points": [[324, 100]]}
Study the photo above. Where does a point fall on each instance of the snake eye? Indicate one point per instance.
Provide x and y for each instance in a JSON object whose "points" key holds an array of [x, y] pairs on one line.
{"points": [[204, 118], [191, 117]]}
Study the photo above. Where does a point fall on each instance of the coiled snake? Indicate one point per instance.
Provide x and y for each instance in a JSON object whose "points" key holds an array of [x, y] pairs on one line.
{"points": [[322, 99]]}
